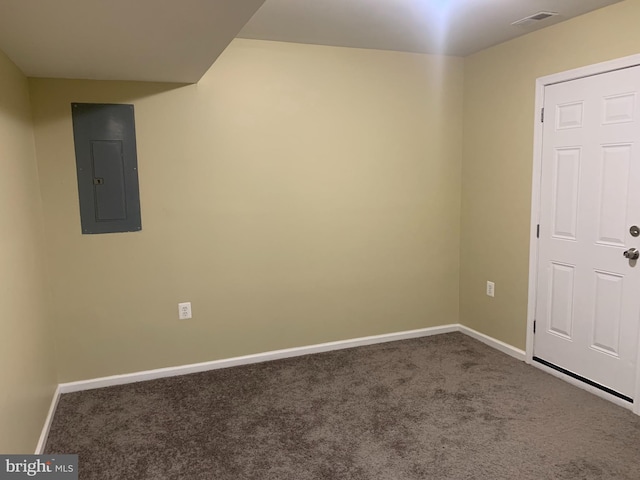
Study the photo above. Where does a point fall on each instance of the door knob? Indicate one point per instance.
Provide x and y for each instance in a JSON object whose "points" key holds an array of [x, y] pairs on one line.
{"points": [[632, 254]]}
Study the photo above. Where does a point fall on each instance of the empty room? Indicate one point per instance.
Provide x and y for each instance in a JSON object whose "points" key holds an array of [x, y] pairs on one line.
{"points": [[338, 239]]}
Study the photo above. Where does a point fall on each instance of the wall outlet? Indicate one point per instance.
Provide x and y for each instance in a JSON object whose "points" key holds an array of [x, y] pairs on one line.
{"points": [[491, 289], [184, 310]]}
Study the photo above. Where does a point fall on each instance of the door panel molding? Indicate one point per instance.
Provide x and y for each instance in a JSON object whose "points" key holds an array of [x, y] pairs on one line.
{"points": [[541, 83]]}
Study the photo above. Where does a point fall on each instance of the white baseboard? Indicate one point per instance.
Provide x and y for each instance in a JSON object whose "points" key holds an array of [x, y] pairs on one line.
{"points": [[492, 342], [248, 359], [47, 422], [264, 357]]}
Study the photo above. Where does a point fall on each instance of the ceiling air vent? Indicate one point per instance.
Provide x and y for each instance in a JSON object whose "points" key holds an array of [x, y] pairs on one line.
{"points": [[531, 19]]}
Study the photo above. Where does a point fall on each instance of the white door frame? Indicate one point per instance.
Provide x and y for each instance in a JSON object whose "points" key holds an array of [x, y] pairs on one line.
{"points": [[541, 83]]}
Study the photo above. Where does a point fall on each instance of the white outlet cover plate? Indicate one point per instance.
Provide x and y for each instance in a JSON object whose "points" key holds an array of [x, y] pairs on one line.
{"points": [[491, 289], [184, 310]]}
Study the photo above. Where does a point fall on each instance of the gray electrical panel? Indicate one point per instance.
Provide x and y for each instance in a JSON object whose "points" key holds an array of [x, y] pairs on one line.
{"points": [[107, 167]]}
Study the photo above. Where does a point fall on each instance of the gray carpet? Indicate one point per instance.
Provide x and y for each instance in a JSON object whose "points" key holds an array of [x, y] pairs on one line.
{"points": [[442, 407]]}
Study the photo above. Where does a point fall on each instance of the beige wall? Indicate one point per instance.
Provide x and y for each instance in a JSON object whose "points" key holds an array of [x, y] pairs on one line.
{"points": [[298, 194], [499, 97], [27, 376]]}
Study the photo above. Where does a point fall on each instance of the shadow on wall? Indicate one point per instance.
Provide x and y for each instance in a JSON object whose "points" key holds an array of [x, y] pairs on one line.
{"points": [[108, 92]]}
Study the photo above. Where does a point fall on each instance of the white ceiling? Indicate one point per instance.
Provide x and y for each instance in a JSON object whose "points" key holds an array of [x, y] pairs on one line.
{"points": [[155, 40], [178, 40], [452, 27]]}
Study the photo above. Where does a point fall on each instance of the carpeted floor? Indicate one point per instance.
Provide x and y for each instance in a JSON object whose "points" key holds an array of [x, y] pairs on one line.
{"points": [[441, 407]]}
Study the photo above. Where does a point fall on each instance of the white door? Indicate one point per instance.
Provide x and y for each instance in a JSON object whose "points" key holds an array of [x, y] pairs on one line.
{"points": [[588, 300]]}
